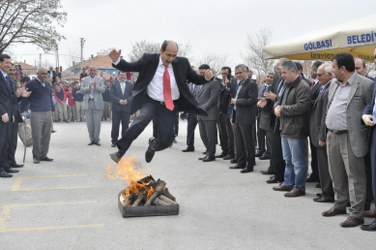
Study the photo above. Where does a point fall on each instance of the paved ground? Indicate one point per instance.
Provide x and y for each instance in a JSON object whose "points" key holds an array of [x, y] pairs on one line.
{"points": [[68, 204]]}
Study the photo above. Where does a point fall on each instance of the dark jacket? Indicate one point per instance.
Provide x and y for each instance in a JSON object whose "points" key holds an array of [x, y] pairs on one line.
{"points": [[294, 118], [116, 95], [207, 97], [317, 127], [41, 97], [6, 95], [147, 66], [245, 112]]}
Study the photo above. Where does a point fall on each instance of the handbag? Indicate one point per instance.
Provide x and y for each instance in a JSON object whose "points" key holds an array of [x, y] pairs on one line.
{"points": [[24, 133]]}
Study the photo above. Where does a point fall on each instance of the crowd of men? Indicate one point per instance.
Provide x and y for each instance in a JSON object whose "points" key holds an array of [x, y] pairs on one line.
{"points": [[281, 119], [335, 110]]}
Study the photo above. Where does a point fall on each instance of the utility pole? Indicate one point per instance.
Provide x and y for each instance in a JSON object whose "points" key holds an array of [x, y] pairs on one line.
{"points": [[82, 48], [57, 63], [40, 60]]}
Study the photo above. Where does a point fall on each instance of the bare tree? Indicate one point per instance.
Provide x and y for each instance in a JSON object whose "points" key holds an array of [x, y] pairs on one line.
{"points": [[141, 47], [215, 61], [31, 21], [254, 55]]}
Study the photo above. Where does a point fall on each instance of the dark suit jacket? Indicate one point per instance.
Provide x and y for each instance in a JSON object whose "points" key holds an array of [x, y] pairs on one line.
{"points": [[360, 96], [116, 96], [147, 66], [368, 110], [246, 103], [6, 95], [266, 113], [15, 106], [207, 97], [317, 127]]}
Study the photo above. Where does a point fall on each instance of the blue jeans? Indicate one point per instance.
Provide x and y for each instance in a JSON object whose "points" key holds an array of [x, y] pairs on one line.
{"points": [[295, 155]]}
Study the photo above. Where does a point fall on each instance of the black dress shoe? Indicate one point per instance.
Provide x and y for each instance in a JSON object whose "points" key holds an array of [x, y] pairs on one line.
{"points": [[312, 178], [204, 152], [236, 167], [370, 227], [323, 199], [318, 185], [234, 161], [188, 150], [201, 158], [91, 143], [11, 171], [221, 155], [264, 157], [46, 159], [266, 172], [272, 181], [246, 170], [228, 157], [260, 153], [36, 160], [208, 158], [4, 174], [18, 166], [97, 143], [117, 156], [113, 145], [149, 154]]}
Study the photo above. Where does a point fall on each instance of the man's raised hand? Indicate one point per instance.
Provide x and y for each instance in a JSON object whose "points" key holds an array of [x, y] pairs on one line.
{"points": [[115, 54]]}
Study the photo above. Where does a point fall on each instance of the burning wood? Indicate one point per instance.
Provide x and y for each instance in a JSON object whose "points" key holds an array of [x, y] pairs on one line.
{"points": [[147, 192], [143, 197]]}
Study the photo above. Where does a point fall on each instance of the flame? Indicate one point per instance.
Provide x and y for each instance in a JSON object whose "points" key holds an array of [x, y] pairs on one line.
{"points": [[139, 188], [127, 169]]}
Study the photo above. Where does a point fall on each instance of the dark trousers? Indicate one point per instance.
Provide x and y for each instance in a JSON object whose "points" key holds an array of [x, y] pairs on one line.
{"points": [[373, 161], [164, 118], [13, 144], [117, 118], [276, 158], [208, 134], [245, 147], [226, 134], [314, 167], [5, 130], [369, 196], [191, 126], [323, 166], [176, 124], [261, 142]]}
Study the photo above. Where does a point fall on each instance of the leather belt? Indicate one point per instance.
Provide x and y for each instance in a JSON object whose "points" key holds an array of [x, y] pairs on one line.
{"points": [[339, 132]]}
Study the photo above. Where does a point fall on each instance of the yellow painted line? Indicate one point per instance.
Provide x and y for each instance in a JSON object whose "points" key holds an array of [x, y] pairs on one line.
{"points": [[4, 216], [52, 188], [32, 229], [16, 186], [51, 203]]}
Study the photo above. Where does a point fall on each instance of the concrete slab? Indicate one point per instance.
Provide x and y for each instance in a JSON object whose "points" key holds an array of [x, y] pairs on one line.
{"points": [[219, 208]]}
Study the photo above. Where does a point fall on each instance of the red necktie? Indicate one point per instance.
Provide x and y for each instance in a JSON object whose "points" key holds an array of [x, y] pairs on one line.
{"points": [[167, 90]]}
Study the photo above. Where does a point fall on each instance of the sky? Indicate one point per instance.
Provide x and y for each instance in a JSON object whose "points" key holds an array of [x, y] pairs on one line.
{"points": [[208, 27]]}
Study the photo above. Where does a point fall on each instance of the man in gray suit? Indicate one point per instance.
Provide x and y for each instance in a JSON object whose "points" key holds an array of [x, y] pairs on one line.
{"points": [[347, 139], [207, 97], [92, 87]]}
